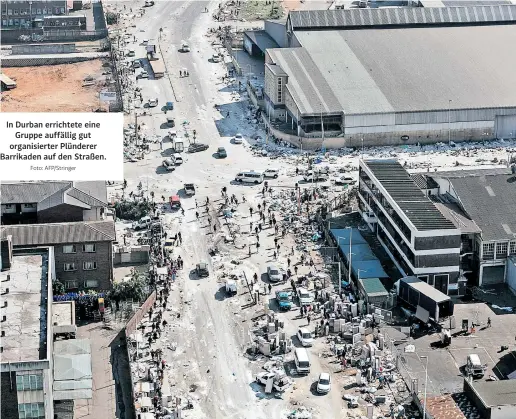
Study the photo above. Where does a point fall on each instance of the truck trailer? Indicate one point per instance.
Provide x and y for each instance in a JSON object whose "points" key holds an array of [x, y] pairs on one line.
{"points": [[430, 303]]}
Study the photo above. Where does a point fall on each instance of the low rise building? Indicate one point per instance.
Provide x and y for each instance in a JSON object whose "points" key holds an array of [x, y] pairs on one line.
{"points": [[494, 399], [26, 329], [23, 13], [52, 202], [420, 240], [83, 250]]}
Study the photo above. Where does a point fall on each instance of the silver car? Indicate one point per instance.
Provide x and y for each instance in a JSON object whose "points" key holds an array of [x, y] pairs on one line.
{"points": [[273, 273]]}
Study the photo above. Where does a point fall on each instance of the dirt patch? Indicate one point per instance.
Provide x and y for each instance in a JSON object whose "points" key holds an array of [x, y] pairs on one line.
{"points": [[54, 88]]}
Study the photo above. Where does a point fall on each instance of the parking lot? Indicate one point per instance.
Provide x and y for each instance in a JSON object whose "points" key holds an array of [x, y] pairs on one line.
{"points": [[446, 365]]}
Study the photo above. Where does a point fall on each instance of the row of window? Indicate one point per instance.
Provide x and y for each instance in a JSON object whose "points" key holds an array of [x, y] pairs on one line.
{"points": [[88, 284], [86, 266], [16, 12], [86, 248], [11, 206], [31, 410], [501, 250], [29, 382]]}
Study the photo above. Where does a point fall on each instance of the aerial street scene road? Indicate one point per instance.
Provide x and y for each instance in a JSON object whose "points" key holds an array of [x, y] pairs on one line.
{"points": [[317, 217]]}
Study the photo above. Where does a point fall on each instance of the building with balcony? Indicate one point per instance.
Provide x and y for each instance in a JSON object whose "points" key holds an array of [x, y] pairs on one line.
{"points": [[420, 240], [52, 202], [83, 251], [379, 76]]}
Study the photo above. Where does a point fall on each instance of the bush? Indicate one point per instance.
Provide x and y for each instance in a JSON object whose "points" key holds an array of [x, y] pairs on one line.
{"points": [[58, 288], [132, 210], [136, 289], [111, 18]]}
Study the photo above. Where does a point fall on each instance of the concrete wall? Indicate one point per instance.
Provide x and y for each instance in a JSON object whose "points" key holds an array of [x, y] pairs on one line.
{"points": [[437, 242], [60, 214], [133, 255], [43, 49], [39, 61], [277, 31]]}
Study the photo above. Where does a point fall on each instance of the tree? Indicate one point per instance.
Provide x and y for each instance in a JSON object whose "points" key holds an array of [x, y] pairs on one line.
{"points": [[111, 18], [58, 288], [135, 289]]}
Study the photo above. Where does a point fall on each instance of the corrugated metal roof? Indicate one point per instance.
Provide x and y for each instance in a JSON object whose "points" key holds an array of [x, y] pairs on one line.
{"points": [[423, 181], [426, 289], [372, 71], [401, 16], [490, 200], [418, 208], [373, 287], [306, 84], [261, 39], [29, 192], [59, 233]]}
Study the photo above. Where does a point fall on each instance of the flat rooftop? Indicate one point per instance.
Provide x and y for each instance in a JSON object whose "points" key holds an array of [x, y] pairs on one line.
{"points": [[496, 393], [401, 69], [26, 311], [417, 207]]}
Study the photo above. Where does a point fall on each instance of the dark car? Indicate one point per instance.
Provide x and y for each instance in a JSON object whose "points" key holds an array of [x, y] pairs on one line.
{"points": [[194, 148], [201, 269], [221, 153]]}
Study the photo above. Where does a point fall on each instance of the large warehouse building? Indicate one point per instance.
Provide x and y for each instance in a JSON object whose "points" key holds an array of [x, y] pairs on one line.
{"points": [[394, 76]]}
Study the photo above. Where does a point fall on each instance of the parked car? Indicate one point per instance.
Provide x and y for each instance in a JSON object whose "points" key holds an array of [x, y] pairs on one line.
{"points": [[169, 106], [137, 63], [153, 103], [185, 47], [201, 269], [238, 139], [221, 153], [189, 189], [144, 75], [130, 53], [324, 383], [168, 245], [273, 273], [280, 381], [345, 180], [216, 58], [284, 299], [305, 336], [311, 176], [273, 173], [177, 158], [304, 296], [142, 223], [169, 165], [195, 148]]}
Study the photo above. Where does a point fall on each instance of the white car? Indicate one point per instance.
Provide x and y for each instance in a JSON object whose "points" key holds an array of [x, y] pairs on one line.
{"points": [[273, 173], [177, 158], [310, 176], [216, 58], [274, 274], [345, 180], [144, 75], [169, 165], [153, 103], [238, 139], [305, 297], [305, 336], [324, 383], [185, 47], [280, 381]]}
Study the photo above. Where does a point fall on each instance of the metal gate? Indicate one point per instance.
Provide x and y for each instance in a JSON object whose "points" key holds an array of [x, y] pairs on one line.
{"points": [[505, 126]]}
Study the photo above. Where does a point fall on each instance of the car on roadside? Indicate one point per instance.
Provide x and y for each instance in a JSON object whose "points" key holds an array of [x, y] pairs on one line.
{"points": [[273, 273], [177, 158], [311, 176], [221, 153], [345, 180], [153, 103], [324, 383], [168, 246], [304, 296], [238, 139], [271, 173], [201, 269], [137, 63], [144, 75], [280, 381], [284, 299], [306, 338], [169, 165], [195, 148], [185, 47], [216, 58]]}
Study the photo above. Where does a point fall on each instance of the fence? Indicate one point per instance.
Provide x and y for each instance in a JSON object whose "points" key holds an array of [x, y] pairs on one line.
{"points": [[132, 324], [136, 254], [20, 36]]}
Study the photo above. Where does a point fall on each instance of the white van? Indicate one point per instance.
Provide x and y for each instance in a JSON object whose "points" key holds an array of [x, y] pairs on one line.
{"points": [[249, 177], [302, 360]]}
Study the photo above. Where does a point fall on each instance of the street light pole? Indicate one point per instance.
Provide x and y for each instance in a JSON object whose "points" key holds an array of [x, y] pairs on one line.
{"points": [[349, 262], [426, 383]]}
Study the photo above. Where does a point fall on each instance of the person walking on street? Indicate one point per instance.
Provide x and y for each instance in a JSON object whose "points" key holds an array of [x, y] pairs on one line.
{"points": [[274, 254], [180, 237], [196, 204], [251, 211], [295, 269], [249, 250], [489, 322], [308, 319], [270, 288], [288, 262], [196, 215]]}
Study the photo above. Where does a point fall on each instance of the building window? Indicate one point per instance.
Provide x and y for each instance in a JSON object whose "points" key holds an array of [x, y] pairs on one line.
{"points": [[488, 250], [71, 284], [70, 248], [29, 205], [91, 283], [89, 266], [29, 382], [31, 410], [8, 206], [512, 248], [69, 267], [423, 278], [501, 250], [89, 248]]}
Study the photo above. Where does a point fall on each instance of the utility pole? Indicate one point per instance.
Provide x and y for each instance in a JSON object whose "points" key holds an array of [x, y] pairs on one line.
{"points": [[449, 122]]}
